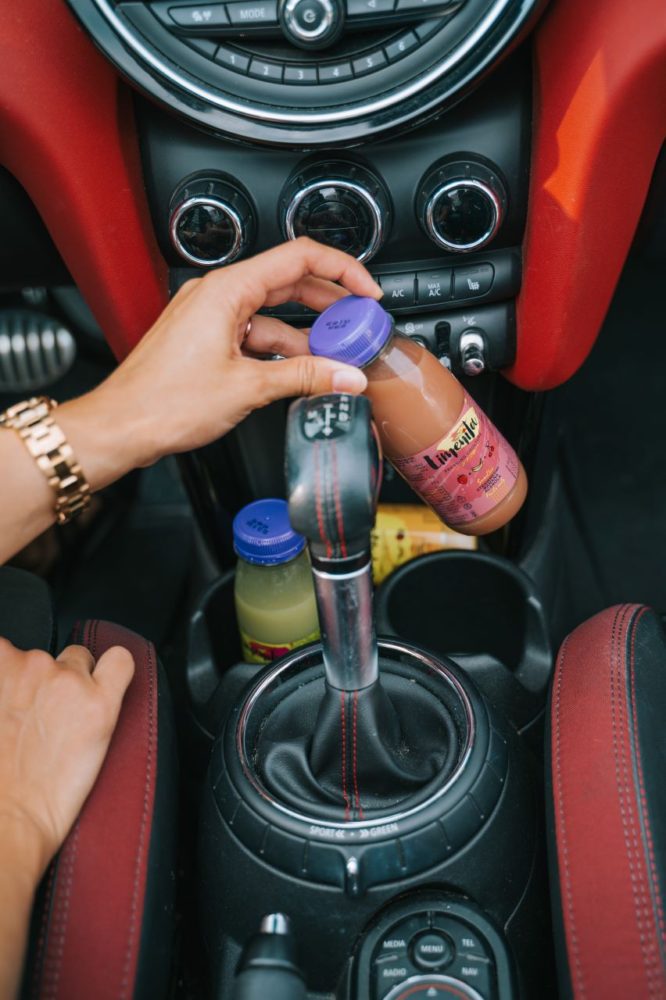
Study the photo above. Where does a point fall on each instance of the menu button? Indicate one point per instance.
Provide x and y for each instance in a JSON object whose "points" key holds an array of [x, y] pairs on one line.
{"points": [[432, 950]]}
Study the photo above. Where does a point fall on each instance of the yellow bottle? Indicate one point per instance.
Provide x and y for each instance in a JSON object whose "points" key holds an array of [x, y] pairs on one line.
{"points": [[404, 531], [275, 600]]}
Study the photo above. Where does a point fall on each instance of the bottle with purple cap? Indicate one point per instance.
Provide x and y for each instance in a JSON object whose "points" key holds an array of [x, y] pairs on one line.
{"points": [[432, 431], [275, 601]]}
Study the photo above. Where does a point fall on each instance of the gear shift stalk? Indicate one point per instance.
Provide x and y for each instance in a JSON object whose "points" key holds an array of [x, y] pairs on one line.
{"points": [[344, 601], [333, 474]]}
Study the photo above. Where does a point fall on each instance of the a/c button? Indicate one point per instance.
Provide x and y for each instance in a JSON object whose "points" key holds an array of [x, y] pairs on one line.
{"points": [[398, 290]]}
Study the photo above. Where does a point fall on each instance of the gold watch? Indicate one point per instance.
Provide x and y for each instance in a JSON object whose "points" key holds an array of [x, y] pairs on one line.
{"points": [[33, 422]]}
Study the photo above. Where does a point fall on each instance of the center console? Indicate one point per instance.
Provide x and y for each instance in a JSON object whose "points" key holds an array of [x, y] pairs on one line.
{"points": [[367, 790]]}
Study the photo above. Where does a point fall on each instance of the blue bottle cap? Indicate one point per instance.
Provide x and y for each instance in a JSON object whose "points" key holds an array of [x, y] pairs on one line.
{"points": [[263, 533], [352, 330]]}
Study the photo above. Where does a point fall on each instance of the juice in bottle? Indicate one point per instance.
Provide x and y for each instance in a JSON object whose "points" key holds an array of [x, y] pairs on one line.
{"points": [[274, 594], [435, 435]]}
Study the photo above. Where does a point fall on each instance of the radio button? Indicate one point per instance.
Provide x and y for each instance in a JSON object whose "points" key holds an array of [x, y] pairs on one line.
{"points": [[266, 70], [300, 74], [369, 62], [332, 74], [401, 46]]}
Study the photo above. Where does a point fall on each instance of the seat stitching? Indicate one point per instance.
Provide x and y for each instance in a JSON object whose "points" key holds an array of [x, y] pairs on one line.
{"points": [[627, 816], [642, 795], [47, 904], [53, 967], [52, 974], [143, 824], [573, 934], [50, 905]]}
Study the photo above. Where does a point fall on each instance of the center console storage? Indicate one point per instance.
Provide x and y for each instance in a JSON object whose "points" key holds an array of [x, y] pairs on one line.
{"points": [[485, 613]]}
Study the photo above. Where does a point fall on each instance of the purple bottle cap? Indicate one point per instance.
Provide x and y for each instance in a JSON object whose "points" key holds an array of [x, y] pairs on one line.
{"points": [[263, 533], [352, 330]]}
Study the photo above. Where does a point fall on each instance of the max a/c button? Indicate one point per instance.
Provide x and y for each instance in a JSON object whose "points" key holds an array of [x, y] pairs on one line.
{"points": [[434, 287]]}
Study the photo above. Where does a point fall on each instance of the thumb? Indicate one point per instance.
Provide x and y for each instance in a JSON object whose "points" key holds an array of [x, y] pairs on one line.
{"points": [[310, 376], [113, 672]]}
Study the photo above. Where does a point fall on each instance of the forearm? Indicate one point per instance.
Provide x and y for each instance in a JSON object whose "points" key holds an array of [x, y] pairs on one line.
{"points": [[20, 871], [106, 441]]}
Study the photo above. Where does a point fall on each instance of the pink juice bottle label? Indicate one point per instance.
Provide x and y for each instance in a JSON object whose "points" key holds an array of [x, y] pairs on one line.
{"points": [[466, 473]]}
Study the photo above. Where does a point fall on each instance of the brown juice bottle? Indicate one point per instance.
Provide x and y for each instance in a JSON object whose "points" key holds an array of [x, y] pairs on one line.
{"points": [[432, 431]]}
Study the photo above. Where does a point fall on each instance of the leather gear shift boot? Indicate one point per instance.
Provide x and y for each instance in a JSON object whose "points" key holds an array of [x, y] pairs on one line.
{"points": [[350, 755]]}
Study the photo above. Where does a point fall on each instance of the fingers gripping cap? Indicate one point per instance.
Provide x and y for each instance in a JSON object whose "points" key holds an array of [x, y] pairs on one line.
{"points": [[352, 330], [263, 533]]}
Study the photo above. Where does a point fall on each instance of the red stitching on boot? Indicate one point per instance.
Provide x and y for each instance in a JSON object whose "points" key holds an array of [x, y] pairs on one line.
{"points": [[343, 728]]}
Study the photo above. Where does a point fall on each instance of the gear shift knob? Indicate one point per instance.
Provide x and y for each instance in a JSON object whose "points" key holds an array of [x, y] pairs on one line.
{"points": [[333, 474]]}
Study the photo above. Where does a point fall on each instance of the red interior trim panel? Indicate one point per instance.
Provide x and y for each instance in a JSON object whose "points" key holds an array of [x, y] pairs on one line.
{"points": [[600, 120], [67, 134]]}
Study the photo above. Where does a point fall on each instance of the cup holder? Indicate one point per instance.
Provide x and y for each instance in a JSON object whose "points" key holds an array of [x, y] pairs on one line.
{"points": [[479, 609]]}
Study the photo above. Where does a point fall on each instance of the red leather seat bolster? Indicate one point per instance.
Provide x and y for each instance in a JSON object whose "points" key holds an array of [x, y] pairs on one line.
{"points": [[90, 932], [606, 755]]}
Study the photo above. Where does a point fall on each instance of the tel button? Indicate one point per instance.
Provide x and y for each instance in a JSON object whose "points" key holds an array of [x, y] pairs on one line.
{"points": [[431, 950]]}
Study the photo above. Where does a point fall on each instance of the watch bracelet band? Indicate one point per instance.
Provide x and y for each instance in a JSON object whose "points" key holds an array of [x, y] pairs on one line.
{"points": [[33, 421]]}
